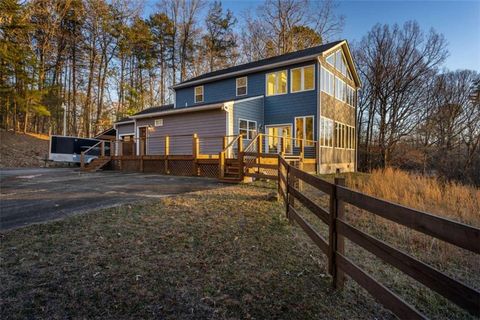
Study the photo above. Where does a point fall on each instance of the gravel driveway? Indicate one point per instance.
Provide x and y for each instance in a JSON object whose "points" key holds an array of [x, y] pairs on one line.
{"points": [[36, 195]]}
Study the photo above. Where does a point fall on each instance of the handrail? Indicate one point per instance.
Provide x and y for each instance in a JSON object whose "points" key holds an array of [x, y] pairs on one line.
{"points": [[96, 144], [232, 142], [252, 141]]}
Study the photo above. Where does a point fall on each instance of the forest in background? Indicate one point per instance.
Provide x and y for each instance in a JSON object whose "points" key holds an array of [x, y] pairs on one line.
{"points": [[100, 60]]}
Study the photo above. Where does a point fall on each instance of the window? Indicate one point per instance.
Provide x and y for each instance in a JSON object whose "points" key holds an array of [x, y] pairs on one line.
{"points": [[158, 122], [198, 94], [241, 86], [248, 128], [277, 83], [340, 64], [340, 90], [326, 132], [302, 79], [331, 59], [304, 130], [350, 96], [326, 81], [344, 136]]}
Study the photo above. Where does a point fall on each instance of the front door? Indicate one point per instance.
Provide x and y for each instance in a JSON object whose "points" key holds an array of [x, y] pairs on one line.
{"points": [[275, 135]]}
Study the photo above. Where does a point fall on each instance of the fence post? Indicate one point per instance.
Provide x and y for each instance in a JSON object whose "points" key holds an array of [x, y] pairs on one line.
{"points": [[221, 164], [336, 243], [283, 146], [167, 152], [240, 144], [290, 198], [82, 159], [113, 148], [195, 152]]}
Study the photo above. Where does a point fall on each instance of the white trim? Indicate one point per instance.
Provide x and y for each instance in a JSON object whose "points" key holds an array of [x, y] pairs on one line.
{"points": [[247, 99], [304, 127], [288, 124], [138, 139], [276, 84], [248, 129], [195, 94], [123, 122], [302, 79], [246, 86], [182, 110], [319, 114], [247, 71]]}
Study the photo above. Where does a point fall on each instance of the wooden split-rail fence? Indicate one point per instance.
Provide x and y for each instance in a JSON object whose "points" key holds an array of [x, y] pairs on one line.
{"points": [[290, 180]]}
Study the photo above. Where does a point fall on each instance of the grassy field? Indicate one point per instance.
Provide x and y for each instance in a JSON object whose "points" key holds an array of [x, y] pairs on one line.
{"points": [[454, 201], [219, 254]]}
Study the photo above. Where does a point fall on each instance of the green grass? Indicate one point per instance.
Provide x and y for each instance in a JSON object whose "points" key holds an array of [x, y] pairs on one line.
{"points": [[217, 254]]}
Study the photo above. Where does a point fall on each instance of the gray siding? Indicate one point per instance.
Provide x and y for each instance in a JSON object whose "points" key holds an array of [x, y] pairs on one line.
{"points": [[181, 127], [125, 128]]}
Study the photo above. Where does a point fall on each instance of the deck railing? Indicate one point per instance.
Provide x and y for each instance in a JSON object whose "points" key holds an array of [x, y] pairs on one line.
{"points": [[290, 181], [100, 149]]}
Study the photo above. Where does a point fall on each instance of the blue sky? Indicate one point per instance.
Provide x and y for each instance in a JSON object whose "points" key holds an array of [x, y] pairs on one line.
{"points": [[458, 21]]}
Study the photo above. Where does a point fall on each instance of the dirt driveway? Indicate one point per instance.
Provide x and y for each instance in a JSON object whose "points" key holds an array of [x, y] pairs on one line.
{"points": [[36, 195]]}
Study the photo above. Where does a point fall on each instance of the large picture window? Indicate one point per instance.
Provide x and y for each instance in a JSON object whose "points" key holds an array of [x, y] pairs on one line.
{"points": [[248, 128], [304, 130], [241, 84], [198, 94], [302, 79], [276, 83]]}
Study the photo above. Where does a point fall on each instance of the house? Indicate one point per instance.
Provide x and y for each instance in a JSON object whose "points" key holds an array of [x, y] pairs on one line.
{"points": [[307, 95]]}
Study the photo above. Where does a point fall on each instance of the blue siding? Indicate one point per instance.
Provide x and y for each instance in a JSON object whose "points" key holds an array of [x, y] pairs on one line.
{"points": [[248, 110], [277, 109]]}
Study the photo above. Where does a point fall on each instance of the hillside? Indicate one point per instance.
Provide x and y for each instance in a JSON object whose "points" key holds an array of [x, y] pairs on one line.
{"points": [[22, 150]]}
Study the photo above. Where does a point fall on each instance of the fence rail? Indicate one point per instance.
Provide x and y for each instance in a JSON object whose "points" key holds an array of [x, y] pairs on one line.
{"points": [[458, 234]]}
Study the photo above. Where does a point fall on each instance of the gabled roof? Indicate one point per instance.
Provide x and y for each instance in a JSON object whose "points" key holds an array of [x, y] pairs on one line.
{"points": [[283, 59]]}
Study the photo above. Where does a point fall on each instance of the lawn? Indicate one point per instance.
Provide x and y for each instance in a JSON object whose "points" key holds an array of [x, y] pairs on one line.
{"points": [[218, 254]]}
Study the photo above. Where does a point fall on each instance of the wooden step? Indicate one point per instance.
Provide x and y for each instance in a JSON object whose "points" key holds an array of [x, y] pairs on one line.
{"points": [[96, 164]]}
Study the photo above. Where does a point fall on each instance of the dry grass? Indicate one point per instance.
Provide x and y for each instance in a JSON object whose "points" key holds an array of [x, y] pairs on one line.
{"points": [[454, 201], [218, 254]]}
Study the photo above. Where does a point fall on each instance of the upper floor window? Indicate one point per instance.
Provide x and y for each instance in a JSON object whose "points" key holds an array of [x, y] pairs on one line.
{"points": [[248, 128], [326, 81], [276, 83], [304, 130], [198, 94], [302, 79], [241, 84], [331, 59], [340, 90], [350, 96]]}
